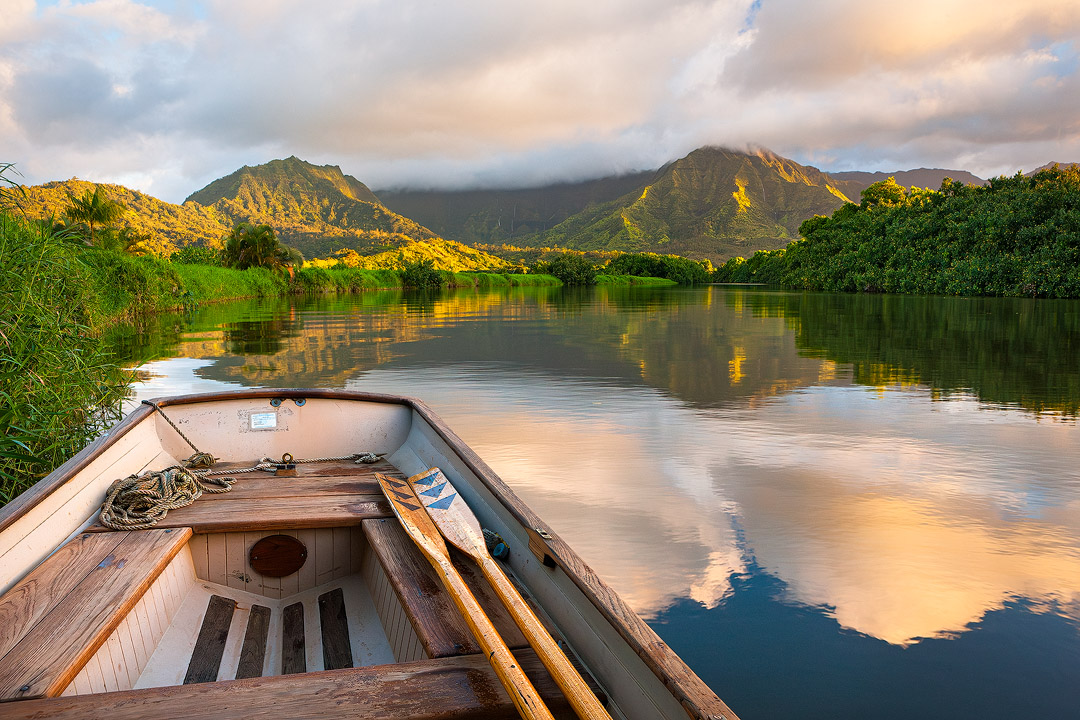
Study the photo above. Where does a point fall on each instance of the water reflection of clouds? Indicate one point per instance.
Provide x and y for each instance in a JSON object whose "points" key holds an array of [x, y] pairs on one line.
{"points": [[917, 529], [175, 376]]}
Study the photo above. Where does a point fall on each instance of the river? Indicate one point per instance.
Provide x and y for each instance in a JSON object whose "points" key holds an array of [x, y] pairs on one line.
{"points": [[831, 506]]}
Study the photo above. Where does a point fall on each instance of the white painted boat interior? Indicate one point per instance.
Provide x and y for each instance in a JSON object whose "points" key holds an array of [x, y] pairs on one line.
{"points": [[153, 645], [148, 648]]}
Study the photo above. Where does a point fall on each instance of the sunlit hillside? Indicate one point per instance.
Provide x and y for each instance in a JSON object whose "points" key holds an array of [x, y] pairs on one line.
{"points": [[445, 254], [168, 226]]}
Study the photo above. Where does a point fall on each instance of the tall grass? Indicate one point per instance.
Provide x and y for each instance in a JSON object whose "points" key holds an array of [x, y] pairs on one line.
{"points": [[58, 388]]}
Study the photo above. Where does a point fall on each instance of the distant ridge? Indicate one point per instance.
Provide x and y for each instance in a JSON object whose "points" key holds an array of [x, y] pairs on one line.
{"points": [[491, 215], [1050, 165], [922, 178]]}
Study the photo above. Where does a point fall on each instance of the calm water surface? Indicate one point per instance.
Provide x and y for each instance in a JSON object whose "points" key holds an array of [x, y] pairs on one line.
{"points": [[830, 506]]}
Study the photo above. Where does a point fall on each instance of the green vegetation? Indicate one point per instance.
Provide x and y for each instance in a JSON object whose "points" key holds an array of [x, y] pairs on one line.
{"points": [[570, 268], [166, 226], [421, 275], [91, 209], [1017, 236], [59, 388], [250, 246], [672, 267]]}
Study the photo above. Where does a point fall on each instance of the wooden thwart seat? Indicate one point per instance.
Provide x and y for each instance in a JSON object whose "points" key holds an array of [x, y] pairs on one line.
{"points": [[57, 617], [457, 687], [336, 494], [438, 623]]}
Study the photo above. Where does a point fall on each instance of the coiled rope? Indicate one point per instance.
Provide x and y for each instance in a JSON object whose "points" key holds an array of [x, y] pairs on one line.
{"points": [[139, 502]]}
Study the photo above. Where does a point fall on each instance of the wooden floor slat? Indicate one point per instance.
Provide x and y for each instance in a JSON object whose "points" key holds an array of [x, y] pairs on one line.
{"points": [[210, 645], [253, 652], [293, 647], [337, 650]]}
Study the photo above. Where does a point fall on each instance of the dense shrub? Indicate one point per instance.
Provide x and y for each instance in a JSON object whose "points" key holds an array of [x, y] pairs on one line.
{"points": [[421, 275], [673, 267], [569, 268], [1017, 236]]}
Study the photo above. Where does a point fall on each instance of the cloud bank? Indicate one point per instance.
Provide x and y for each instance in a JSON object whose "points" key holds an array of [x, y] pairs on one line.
{"points": [[166, 96]]}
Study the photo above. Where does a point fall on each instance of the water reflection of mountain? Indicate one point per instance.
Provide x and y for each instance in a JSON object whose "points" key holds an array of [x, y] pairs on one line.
{"points": [[687, 343], [710, 347]]}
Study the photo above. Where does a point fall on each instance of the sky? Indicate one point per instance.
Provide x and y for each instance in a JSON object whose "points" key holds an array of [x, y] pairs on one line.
{"points": [[164, 96]]}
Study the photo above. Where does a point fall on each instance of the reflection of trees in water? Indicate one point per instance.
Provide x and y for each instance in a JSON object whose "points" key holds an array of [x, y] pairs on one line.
{"points": [[261, 337], [1013, 351], [710, 347]]}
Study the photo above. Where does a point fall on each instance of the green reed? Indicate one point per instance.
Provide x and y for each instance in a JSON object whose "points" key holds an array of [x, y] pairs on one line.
{"points": [[58, 386]]}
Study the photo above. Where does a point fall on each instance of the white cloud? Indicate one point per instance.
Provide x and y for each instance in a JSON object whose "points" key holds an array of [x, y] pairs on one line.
{"points": [[404, 92]]}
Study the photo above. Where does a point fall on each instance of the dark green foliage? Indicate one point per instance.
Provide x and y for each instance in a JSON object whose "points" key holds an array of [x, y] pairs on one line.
{"points": [[196, 255], [421, 275], [1017, 236], [570, 268], [249, 246], [673, 267]]}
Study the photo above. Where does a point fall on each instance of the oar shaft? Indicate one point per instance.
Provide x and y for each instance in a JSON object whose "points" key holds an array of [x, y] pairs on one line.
{"points": [[566, 676], [522, 693]]}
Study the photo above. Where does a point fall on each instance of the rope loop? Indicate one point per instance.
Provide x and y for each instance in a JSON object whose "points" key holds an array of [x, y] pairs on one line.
{"points": [[139, 502]]}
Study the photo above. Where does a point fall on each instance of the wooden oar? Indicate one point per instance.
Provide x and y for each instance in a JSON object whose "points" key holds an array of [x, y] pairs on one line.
{"points": [[423, 532], [459, 525]]}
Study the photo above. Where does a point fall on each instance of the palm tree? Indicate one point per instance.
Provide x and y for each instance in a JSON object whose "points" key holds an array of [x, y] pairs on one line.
{"points": [[255, 246], [93, 208]]}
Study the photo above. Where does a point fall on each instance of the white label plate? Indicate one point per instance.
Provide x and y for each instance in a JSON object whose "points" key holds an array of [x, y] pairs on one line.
{"points": [[263, 421]]}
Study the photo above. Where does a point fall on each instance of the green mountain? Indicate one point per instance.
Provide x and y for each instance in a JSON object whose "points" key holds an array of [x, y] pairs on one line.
{"points": [[491, 216], [714, 203], [316, 209]]}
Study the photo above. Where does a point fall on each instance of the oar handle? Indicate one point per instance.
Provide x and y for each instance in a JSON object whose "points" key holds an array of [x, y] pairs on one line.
{"points": [[566, 676], [522, 693]]}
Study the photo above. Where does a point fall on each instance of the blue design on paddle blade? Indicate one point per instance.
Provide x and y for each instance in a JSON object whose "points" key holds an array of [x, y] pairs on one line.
{"points": [[443, 503], [427, 479], [435, 491]]}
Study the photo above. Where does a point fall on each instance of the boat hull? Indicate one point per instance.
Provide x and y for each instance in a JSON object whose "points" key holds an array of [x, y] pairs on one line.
{"points": [[639, 675]]}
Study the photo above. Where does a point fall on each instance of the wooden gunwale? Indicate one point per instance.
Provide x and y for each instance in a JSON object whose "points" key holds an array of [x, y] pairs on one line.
{"points": [[696, 697]]}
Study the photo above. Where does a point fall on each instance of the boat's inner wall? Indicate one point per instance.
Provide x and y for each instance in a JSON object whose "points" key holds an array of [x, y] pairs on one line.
{"points": [[319, 428], [252, 428], [154, 644], [635, 692]]}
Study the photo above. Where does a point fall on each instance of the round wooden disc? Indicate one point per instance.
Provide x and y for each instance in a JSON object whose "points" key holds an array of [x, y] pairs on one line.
{"points": [[277, 555]]}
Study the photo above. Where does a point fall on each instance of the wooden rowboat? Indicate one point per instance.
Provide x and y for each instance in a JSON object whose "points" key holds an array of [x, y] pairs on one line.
{"points": [[298, 593]]}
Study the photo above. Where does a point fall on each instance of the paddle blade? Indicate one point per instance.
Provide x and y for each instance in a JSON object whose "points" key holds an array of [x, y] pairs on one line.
{"points": [[410, 512], [450, 513]]}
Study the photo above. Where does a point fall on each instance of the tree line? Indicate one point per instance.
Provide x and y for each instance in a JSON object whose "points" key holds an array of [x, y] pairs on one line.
{"points": [[1016, 236]]}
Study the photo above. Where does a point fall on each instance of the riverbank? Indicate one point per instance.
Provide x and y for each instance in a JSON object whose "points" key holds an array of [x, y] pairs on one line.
{"points": [[60, 387]]}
